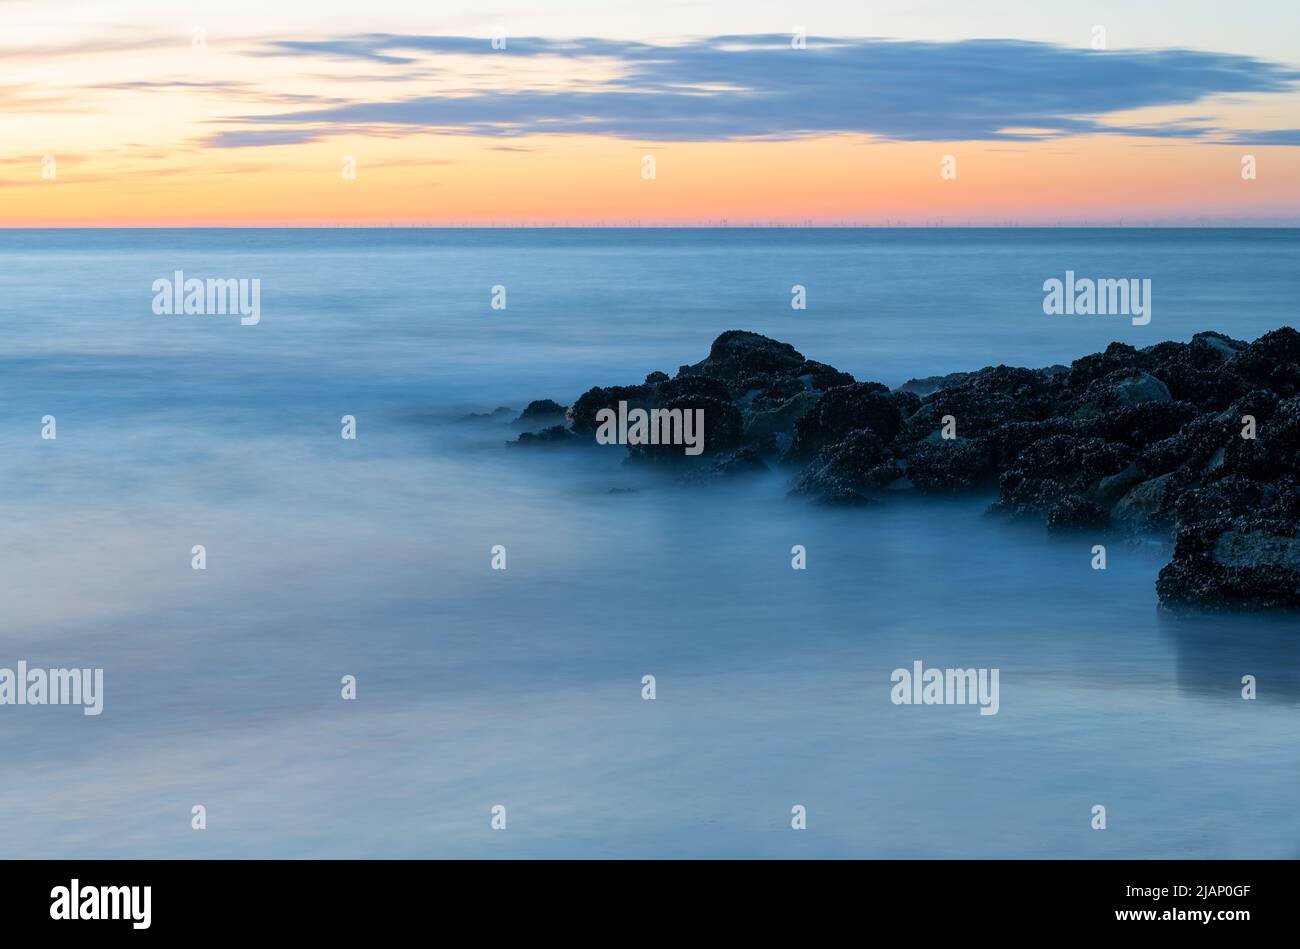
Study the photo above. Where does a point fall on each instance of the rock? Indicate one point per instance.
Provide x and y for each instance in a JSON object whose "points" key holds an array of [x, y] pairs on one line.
{"points": [[582, 415], [1141, 439], [1139, 388], [1006, 442], [846, 472], [1149, 504], [781, 419], [1117, 356], [949, 465], [1248, 563], [1227, 498], [499, 412], [742, 461], [1208, 390], [1256, 548], [817, 375], [1275, 450], [1213, 349], [931, 384], [1113, 487], [555, 435], [764, 393], [738, 353], [986, 400], [1137, 426], [1118, 390], [541, 413], [1054, 467], [1192, 446], [909, 403], [1195, 372], [1075, 512], [690, 386], [761, 375], [1270, 362], [722, 428], [843, 410]]}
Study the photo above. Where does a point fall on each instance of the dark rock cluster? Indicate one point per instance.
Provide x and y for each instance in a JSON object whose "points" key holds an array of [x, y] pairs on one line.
{"points": [[1200, 440]]}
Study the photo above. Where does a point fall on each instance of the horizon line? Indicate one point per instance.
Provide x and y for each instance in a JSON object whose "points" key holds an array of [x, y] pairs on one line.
{"points": [[1243, 226]]}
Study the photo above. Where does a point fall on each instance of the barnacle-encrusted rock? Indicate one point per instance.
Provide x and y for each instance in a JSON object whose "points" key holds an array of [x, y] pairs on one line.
{"points": [[1201, 439]]}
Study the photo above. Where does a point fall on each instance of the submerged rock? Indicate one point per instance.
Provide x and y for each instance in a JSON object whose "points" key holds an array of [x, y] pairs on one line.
{"points": [[1200, 439]]}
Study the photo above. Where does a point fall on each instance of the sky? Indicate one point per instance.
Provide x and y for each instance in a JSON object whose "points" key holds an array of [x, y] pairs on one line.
{"points": [[924, 112]]}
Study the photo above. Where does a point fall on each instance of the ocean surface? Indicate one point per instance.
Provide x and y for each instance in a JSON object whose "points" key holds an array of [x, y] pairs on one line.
{"points": [[522, 687]]}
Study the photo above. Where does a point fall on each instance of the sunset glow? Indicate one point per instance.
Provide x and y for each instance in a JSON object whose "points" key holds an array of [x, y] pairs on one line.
{"points": [[237, 118]]}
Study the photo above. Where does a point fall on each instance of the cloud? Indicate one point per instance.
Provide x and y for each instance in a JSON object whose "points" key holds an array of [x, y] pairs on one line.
{"points": [[235, 138], [759, 87], [120, 41], [1274, 137]]}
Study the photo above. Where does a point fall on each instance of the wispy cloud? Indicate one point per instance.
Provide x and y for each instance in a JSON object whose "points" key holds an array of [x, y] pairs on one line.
{"points": [[118, 41], [758, 87]]}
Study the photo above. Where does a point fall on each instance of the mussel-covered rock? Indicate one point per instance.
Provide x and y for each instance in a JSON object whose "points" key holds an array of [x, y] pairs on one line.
{"points": [[1200, 439]]}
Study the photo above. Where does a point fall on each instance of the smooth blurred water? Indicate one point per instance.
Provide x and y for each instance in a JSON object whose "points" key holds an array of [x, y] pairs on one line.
{"points": [[477, 687]]}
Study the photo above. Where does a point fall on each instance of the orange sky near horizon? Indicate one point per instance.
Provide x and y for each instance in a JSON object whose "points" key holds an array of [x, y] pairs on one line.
{"points": [[450, 181]]}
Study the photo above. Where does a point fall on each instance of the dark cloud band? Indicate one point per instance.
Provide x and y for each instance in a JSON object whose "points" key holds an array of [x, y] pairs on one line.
{"points": [[755, 87]]}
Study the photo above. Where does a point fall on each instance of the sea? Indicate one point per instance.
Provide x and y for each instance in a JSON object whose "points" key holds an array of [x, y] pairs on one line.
{"points": [[505, 712]]}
